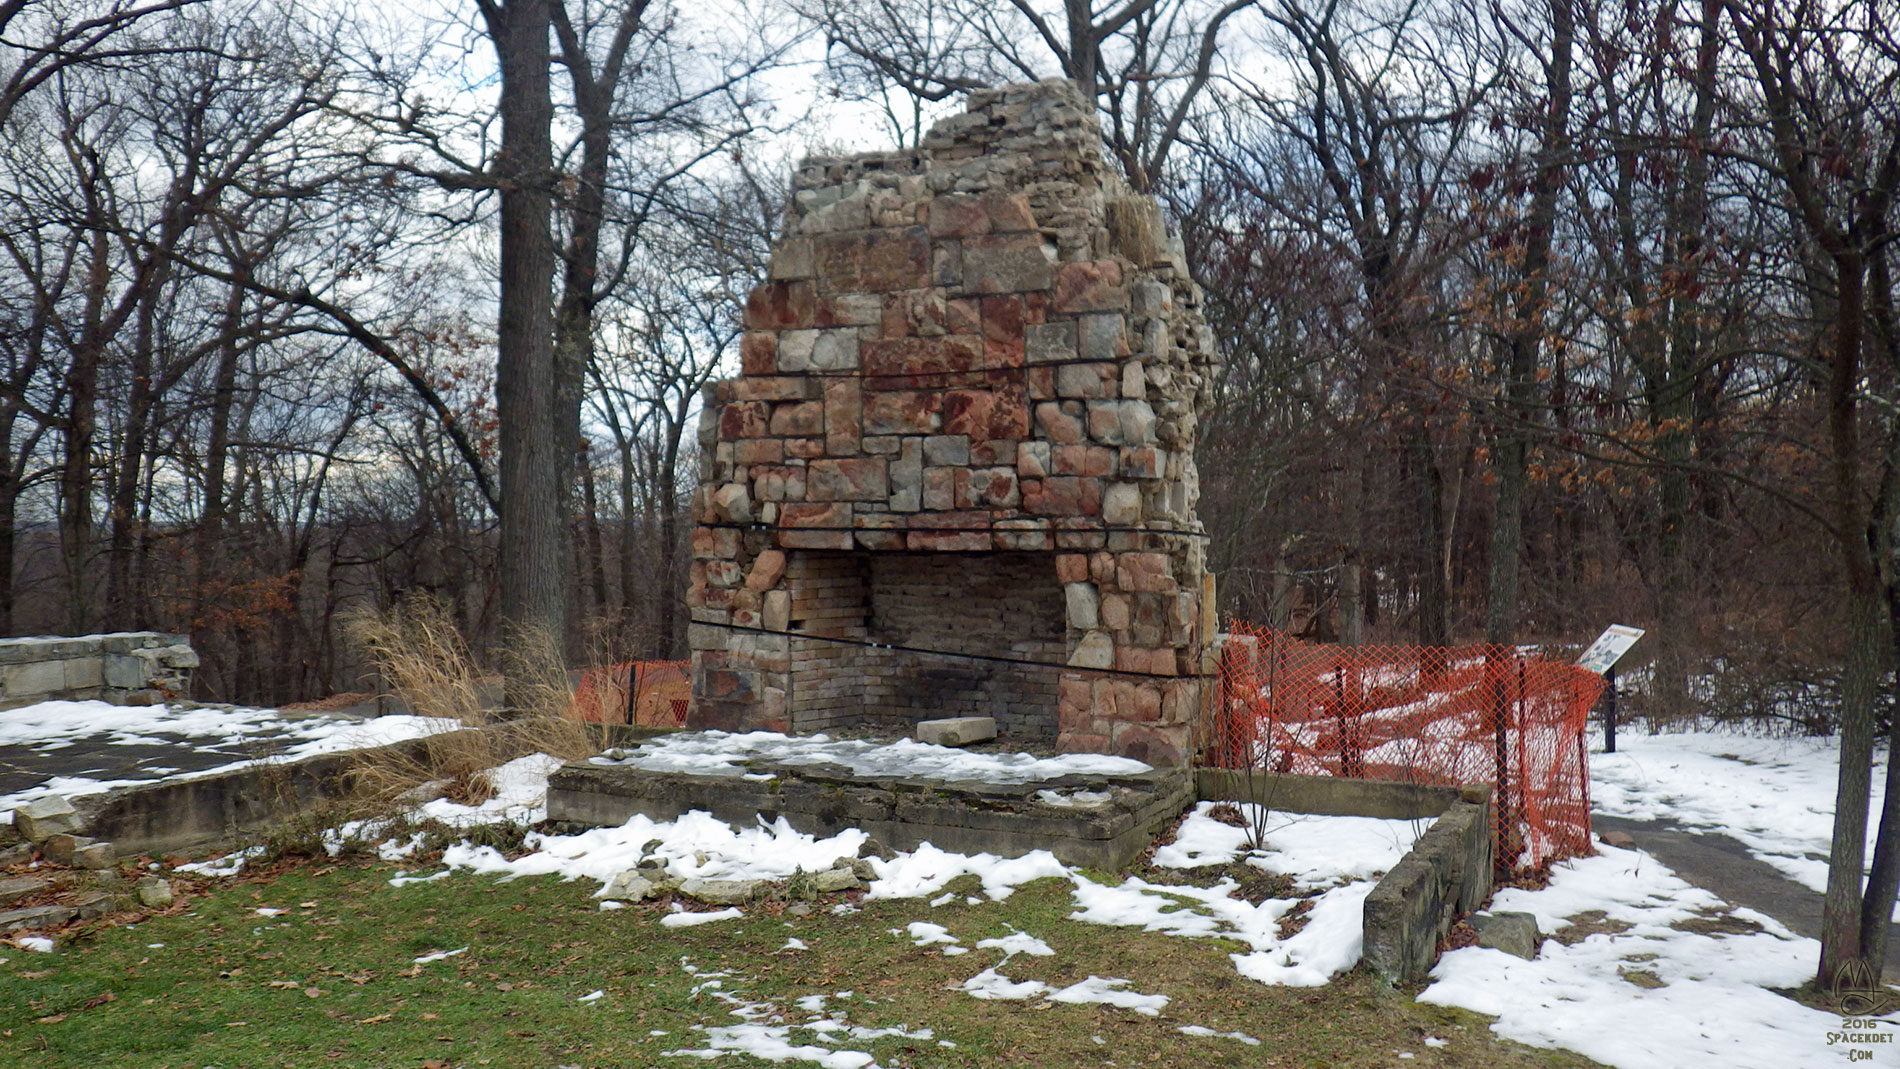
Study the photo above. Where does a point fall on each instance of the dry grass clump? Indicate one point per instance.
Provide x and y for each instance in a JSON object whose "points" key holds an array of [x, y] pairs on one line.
{"points": [[428, 664]]}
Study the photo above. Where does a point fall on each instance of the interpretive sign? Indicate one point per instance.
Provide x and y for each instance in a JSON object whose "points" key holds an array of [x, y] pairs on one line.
{"points": [[1609, 648]]}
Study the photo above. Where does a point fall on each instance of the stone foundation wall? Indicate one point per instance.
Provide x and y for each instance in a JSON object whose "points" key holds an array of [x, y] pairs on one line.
{"points": [[125, 668], [988, 345]]}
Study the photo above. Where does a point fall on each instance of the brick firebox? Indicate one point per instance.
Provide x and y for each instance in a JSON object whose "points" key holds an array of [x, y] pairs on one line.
{"points": [[956, 475]]}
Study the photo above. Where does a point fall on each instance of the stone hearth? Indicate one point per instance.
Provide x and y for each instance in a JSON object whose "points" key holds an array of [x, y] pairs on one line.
{"points": [[956, 476]]}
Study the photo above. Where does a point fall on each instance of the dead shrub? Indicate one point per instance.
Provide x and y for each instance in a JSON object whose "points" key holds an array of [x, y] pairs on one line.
{"points": [[428, 664]]}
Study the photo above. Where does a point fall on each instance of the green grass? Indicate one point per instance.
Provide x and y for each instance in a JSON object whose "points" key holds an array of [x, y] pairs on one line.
{"points": [[333, 982]]}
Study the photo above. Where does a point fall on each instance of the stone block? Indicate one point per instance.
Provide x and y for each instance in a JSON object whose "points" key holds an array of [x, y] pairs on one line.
{"points": [[34, 678], [95, 856], [1049, 343], [947, 449], [1072, 568], [758, 352], [1062, 496], [45, 817], [732, 503], [1008, 212], [781, 306], [1083, 604], [844, 417], [835, 350], [724, 892], [1089, 286], [1121, 505], [59, 849], [767, 568], [1058, 425], [903, 412], [1084, 380], [957, 215], [1095, 650], [1087, 460], [1007, 263], [798, 419], [873, 261], [15, 888], [744, 419], [85, 673], [154, 892], [984, 415], [1101, 336], [1033, 460], [1512, 932], [862, 479], [956, 731]]}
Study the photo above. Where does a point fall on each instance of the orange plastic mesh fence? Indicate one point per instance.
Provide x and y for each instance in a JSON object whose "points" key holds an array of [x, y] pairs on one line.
{"points": [[1444, 716], [650, 694]]}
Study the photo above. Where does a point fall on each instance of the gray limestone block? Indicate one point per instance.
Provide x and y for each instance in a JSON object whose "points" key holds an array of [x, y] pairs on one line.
{"points": [[723, 892], [1512, 932], [957, 730], [96, 856], [59, 849], [44, 817], [154, 893]]}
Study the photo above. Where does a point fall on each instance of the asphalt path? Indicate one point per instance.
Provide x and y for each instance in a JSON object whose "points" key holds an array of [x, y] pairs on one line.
{"points": [[1723, 866]]}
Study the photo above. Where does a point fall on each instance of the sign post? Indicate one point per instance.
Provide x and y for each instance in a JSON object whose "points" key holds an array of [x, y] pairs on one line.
{"points": [[1601, 658]]}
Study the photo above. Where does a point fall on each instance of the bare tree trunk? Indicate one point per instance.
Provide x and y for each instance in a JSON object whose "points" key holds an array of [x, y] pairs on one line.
{"points": [[534, 594], [1526, 339]]}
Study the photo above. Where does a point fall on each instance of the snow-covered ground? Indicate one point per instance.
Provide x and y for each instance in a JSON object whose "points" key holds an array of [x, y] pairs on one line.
{"points": [[1773, 794], [1669, 974], [47, 728]]}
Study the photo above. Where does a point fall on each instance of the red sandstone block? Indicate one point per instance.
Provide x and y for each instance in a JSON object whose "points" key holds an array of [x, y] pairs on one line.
{"points": [[813, 515], [718, 598], [1090, 286], [996, 452], [771, 388], [711, 542], [1057, 425], [1063, 496], [1102, 567], [1090, 460], [1115, 612], [1141, 463], [957, 215], [798, 419], [778, 483], [948, 541], [1021, 536], [1072, 568], [1162, 746], [860, 479], [744, 419], [804, 448], [872, 261], [1081, 742], [844, 417], [758, 352], [815, 539], [940, 488], [1000, 354], [767, 568], [758, 451], [880, 540], [723, 573], [1003, 318], [984, 488], [781, 306], [1008, 212], [920, 356], [1041, 382]]}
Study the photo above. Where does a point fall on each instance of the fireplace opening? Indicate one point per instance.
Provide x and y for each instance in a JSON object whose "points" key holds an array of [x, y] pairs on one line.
{"points": [[925, 635]]}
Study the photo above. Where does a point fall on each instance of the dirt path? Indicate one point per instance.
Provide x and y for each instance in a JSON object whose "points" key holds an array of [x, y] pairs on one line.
{"points": [[1722, 865]]}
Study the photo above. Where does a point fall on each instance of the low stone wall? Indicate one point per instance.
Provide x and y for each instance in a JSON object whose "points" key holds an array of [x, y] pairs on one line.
{"points": [[124, 668], [1325, 795], [1446, 875], [1008, 819]]}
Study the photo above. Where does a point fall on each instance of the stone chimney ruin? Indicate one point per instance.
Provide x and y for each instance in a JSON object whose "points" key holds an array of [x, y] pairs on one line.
{"points": [[956, 476]]}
